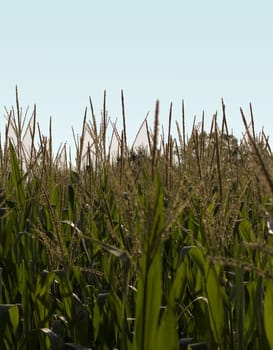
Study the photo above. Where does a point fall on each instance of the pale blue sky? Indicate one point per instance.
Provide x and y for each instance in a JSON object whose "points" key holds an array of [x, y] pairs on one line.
{"points": [[61, 52]]}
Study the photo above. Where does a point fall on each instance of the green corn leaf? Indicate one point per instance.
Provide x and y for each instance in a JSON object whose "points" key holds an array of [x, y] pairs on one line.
{"points": [[9, 321], [249, 321], [167, 337], [198, 258], [44, 283], [148, 303], [149, 286], [14, 317], [55, 340], [119, 253], [79, 232], [240, 306], [216, 304], [179, 283], [268, 312], [9, 313]]}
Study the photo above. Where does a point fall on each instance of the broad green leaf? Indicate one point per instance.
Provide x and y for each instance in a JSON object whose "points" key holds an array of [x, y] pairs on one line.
{"points": [[148, 303], [249, 320], [216, 304], [44, 283], [96, 320], [9, 321], [240, 305], [149, 286], [198, 258], [167, 337], [179, 283], [14, 317], [268, 312], [55, 340], [184, 251]]}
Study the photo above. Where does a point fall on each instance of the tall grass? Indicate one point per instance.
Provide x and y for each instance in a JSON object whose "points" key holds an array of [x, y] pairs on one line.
{"points": [[167, 246]]}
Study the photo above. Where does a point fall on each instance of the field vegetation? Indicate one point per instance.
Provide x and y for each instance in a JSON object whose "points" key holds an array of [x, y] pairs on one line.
{"points": [[165, 246]]}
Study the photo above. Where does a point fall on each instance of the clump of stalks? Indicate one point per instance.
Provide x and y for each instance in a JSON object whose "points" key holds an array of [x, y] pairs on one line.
{"points": [[158, 245]]}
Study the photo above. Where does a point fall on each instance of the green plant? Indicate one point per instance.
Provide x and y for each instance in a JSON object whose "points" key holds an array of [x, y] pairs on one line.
{"points": [[164, 246]]}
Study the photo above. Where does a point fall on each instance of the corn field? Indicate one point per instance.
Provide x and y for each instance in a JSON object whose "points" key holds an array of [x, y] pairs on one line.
{"points": [[164, 246]]}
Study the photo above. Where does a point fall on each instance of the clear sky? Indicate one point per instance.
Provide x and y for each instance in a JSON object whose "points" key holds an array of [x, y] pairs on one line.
{"points": [[61, 52]]}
